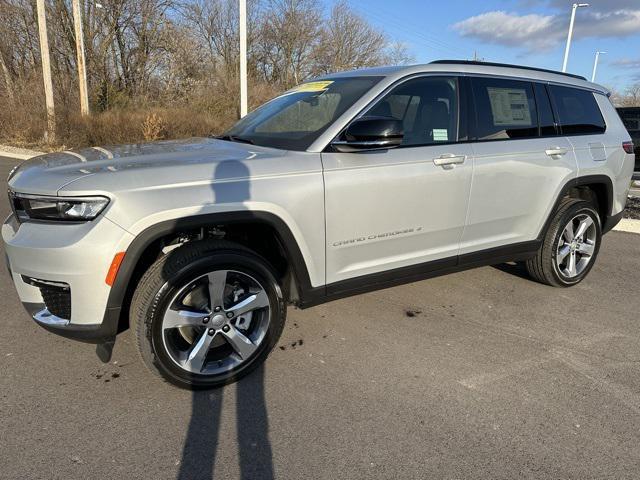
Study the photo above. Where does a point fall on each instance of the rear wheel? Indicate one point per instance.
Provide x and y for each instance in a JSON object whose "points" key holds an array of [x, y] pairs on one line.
{"points": [[570, 245], [207, 314]]}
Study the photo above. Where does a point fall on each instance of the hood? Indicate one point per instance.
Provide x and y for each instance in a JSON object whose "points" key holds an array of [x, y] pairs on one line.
{"points": [[112, 168]]}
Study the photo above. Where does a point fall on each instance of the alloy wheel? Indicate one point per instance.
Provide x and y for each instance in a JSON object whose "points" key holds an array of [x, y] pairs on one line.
{"points": [[216, 322], [576, 246]]}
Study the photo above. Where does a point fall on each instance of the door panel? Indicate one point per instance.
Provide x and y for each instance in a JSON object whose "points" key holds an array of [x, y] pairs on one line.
{"points": [[515, 184], [393, 208], [520, 163]]}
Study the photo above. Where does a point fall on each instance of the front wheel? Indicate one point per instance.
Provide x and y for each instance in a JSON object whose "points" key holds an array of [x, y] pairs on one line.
{"points": [[207, 314], [570, 245]]}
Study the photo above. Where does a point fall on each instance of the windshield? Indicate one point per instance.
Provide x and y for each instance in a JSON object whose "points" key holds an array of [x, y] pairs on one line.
{"points": [[295, 119]]}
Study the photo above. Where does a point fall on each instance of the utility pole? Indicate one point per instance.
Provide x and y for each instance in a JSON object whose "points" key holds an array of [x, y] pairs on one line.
{"points": [[575, 7], [595, 65], [50, 134], [243, 57], [8, 83], [82, 66]]}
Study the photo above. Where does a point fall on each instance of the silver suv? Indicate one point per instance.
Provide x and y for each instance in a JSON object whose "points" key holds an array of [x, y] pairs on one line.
{"points": [[348, 183]]}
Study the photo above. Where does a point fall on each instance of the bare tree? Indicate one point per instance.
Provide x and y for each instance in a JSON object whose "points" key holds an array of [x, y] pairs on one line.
{"points": [[631, 96], [215, 25], [348, 41], [144, 54], [289, 36]]}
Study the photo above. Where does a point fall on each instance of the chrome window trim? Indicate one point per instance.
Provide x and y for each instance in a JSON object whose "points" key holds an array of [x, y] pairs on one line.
{"points": [[324, 141]]}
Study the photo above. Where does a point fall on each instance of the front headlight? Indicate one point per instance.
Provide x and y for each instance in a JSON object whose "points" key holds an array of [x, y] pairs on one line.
{"points": [[69, 209]]}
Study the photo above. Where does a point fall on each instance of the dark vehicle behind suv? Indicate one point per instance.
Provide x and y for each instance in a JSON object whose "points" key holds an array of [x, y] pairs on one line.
{"points": [[631, 118]]}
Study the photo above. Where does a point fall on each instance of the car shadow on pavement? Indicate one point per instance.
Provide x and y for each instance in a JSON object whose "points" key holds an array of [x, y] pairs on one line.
{"points": [[516, 269], [253, 445]]}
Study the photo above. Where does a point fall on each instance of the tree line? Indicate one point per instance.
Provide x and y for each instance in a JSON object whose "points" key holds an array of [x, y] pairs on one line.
{"points": [[168, 54]]}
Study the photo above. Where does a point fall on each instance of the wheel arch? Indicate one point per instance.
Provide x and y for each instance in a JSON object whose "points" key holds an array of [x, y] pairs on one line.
{"points": [[602, 188], [143, 243]]}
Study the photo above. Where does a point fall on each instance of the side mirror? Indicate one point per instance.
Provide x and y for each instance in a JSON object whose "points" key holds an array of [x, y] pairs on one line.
{"points": [[370, 133]]}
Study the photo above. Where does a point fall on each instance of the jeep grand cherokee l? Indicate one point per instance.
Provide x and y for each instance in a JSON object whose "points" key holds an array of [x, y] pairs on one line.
{"points": [[347, 183]]}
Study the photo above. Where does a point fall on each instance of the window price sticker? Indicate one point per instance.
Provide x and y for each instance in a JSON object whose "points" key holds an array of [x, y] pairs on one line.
{"points": [[509, 106]]}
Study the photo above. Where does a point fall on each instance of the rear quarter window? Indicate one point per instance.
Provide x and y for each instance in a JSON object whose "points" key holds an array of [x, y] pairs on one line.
{"points": [[577, 111]]}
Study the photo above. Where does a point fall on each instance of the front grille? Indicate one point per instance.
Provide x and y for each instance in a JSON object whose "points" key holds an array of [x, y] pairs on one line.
{"points": [[56, 296]]}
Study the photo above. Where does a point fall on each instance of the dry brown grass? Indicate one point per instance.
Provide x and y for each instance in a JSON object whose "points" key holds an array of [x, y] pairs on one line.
{"points": [[25, 129], [207, 110], [132, 126], [23, 121], [154, 127]]}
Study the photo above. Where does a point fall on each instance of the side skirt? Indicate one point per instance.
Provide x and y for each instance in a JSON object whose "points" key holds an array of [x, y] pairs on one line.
{"points": [[414, 273]]}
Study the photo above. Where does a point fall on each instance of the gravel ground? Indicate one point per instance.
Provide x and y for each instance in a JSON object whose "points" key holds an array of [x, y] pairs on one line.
{"points": [[17, 152], [633, 208]]}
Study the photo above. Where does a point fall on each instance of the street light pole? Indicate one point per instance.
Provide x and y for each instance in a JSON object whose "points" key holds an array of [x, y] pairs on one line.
{"points": [[595, 65], [82, 66], [573, 19], [243, 57]]}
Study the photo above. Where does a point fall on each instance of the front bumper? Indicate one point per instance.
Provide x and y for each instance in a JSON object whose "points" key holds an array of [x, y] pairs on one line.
{"points": [[77, 255], [97, 333], [611, 222]]}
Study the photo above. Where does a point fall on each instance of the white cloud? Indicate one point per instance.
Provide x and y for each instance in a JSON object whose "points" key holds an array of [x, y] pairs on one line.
{"points": [[529, 31], [542, 32], [631, 63], [619, 23]]}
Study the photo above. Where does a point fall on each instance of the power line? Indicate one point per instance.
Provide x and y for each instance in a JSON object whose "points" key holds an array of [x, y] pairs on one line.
{"points": [[386, 17]]}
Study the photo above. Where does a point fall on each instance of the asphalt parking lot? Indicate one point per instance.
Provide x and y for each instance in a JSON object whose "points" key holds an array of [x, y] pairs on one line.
{"points": [[480, 374]]}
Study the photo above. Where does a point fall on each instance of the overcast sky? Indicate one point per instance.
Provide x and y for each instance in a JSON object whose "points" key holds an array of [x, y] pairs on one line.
{"points": [[528, 32]]}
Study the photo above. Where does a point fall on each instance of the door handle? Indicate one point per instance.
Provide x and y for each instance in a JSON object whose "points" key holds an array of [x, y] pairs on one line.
{"points": [[449, 159], [556, 152]]}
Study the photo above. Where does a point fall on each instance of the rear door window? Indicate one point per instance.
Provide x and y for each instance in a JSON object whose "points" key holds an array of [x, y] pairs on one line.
{"points": [[577, 110], [505, 109]]}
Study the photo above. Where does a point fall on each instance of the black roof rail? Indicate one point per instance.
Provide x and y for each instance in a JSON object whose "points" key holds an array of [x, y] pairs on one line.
{"points": [[492, 64]]}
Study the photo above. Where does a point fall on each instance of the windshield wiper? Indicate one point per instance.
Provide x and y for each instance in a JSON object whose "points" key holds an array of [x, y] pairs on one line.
{"points": [[233, 138]]}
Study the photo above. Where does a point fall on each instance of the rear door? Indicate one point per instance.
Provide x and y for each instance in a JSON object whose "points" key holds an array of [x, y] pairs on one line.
{"points": [[520, 163]]}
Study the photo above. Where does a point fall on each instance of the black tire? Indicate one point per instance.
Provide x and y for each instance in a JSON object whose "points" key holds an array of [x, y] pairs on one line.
{"points": [[167, 276], [543, 267]]}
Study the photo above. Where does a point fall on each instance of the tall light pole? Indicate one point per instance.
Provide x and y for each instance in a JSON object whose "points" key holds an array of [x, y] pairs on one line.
{"points": [[82, 66], [243, 57], [50, 135], [595, 65], [575, 7]]}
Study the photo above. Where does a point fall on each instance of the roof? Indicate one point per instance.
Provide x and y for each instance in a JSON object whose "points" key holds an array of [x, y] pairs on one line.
{"points": [[470, 67]]}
